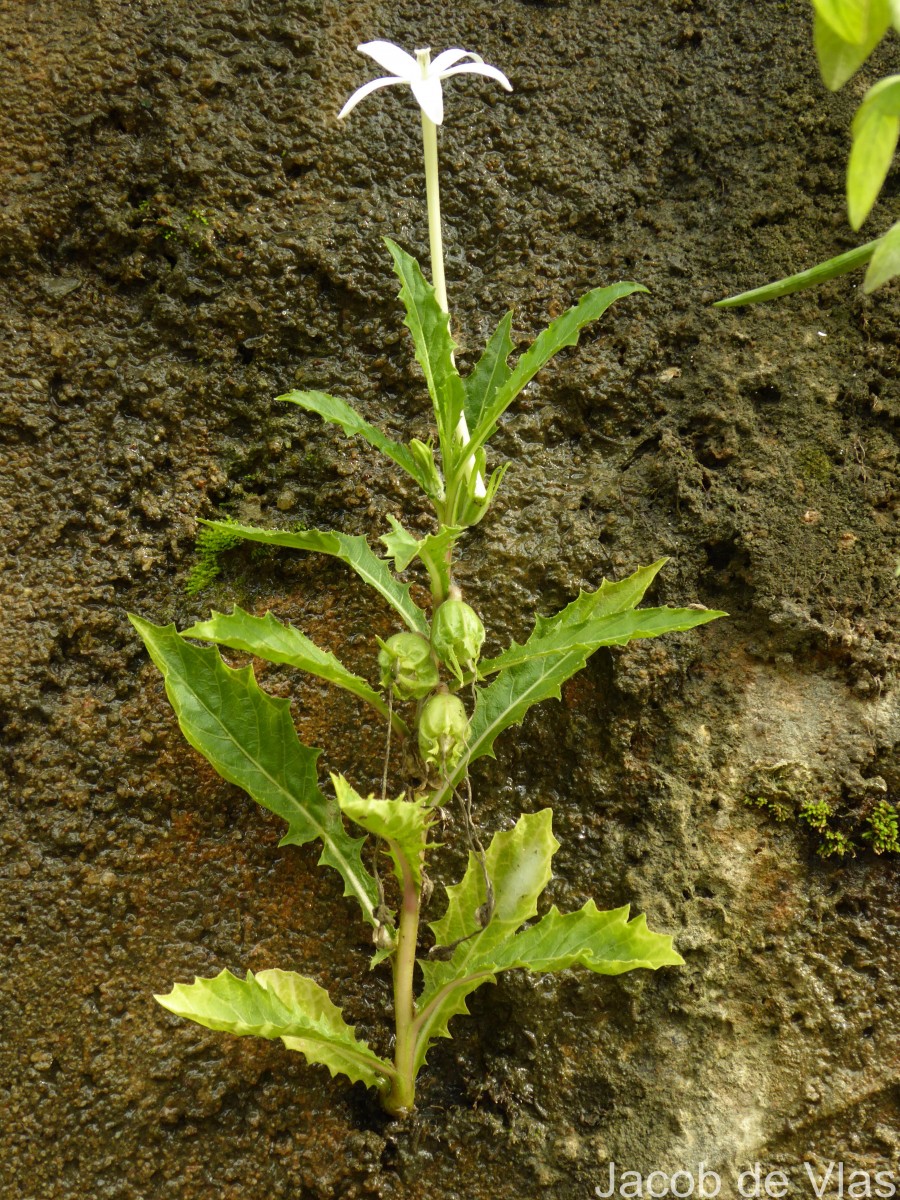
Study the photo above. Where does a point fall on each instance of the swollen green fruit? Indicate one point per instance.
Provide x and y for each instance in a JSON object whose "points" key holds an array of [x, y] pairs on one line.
{"points": [[443, 730], [457, 636], [407, 666]]}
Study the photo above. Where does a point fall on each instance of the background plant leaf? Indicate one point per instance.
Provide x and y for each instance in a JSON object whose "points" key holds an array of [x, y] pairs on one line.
{"points": [[271, 639], [848, 18], [280, 1004], [354, 550], [430, 329], [250, 739], [339, 412], [875, 130], [830, 269], [839, 56], [885, 264]]}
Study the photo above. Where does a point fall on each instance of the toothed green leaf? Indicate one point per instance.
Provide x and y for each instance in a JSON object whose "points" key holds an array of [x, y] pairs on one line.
{"points": [[353, 550], [280, 1004], [564, 331], [489, 373], [339, 412], [403, 824], [430, 329], [604, 942], [250, 739], [271, 639]]}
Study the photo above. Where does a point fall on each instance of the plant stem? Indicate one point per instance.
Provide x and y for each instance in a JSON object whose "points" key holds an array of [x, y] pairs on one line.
{"points": [[402, 1096]]}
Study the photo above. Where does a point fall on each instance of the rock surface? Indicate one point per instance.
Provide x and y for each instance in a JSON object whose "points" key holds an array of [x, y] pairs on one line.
{"points": [[185, 233]]}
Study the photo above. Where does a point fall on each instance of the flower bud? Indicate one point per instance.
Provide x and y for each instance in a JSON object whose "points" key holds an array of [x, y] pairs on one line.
{"points": [[457, 636], [443, 730], [407, 666]]}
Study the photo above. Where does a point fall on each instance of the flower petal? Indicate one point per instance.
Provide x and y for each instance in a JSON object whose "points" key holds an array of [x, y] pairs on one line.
{"points": [[392, 58], [478, 69], [430, 97], [365, 90], [448, 57]]}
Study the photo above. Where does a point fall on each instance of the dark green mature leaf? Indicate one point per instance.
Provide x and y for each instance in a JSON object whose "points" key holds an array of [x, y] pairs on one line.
{"points": [[430, 329], [353, 550], [489, 373], [564, 331], [885, 264], [875, 131], [250, 739], [280, 1004], [519, 868], [403, 824], [271, 639], [339, 412], [830, 269]]}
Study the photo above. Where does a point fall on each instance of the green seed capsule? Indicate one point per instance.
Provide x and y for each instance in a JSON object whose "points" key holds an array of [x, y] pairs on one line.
{"points": [[407, 666], [443, 730], [457, 636]]}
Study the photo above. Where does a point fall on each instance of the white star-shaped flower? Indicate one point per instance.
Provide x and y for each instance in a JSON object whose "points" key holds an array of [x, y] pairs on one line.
{"points": [[424, 77]]}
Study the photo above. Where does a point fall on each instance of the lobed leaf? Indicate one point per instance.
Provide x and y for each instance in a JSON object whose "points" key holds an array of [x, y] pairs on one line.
{"points": [[885, 264], [875, 130], [271, 639], [564, 331], [280, 1004], [354, 550], [403, 824], [250, 739], [831, 269], [339, 412], [430, 329], [604, 942]]}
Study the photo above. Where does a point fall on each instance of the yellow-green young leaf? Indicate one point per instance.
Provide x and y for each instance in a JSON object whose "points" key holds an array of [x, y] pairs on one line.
{"points": [[564, 331], [840, 58], [353, 550], [894, 6], [431, 550], [885, 264], [403, 824], [280, 1004], [518, 865], [339, 412], [430, 329], [519, 868], [250, 739], [875, 129], [271, 639], [848, 18]]}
